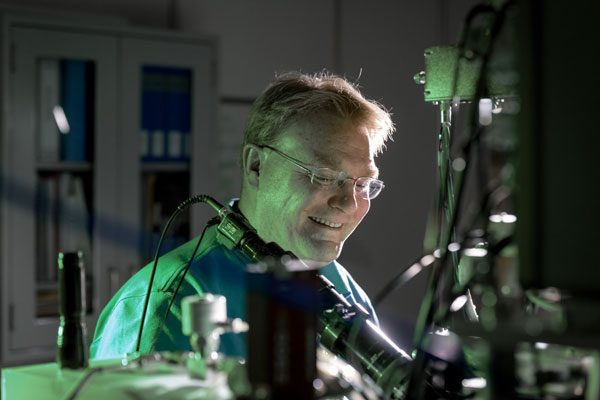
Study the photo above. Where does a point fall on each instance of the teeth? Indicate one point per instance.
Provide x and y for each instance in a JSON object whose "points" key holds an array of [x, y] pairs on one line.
{"points": [[325, 222]]}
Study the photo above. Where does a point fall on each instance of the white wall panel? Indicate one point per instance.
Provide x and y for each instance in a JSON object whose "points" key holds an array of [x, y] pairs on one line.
{"points": [[261, 37]]}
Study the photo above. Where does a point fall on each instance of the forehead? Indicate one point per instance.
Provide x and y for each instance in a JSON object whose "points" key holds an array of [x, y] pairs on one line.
{"points": [[333, 143]]}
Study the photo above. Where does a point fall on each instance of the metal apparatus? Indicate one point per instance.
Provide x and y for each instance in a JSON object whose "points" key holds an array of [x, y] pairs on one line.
{"points": [[524, 340], [346, 330], [204, 319]]}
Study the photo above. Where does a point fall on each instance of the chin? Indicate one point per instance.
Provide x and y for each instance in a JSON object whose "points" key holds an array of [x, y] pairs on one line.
{"points": [[320, 260], [316, 263], [319, 253]]}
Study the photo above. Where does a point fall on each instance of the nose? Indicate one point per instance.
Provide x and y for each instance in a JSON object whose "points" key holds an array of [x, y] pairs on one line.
{"points": [[344, 197]]}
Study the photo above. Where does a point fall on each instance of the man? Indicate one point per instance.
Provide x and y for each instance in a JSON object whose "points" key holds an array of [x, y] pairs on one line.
{"points": [[308, 176]]}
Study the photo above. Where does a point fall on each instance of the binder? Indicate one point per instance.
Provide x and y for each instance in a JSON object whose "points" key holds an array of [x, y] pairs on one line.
{"points": [[178, 111], [153, 111], [166, 112], [75, 99]]}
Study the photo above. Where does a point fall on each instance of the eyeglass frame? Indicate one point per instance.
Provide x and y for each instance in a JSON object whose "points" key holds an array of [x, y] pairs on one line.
{"points": [[338, 181]]}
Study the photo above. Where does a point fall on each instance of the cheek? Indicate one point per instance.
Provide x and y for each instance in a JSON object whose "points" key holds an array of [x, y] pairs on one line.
{"points": [[297, 193], [367, 206], [362, 210], [315, 201], [305, 201], [273, 187], [283, 197]]}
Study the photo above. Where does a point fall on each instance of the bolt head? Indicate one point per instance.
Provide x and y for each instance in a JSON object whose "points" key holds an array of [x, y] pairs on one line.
{"points": [[419, 78]]}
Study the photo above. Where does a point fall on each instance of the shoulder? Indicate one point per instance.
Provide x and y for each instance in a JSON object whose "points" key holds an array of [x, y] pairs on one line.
{"points": [[117, 326]]}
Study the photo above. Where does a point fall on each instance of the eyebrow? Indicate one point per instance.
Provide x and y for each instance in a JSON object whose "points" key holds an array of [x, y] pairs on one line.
{"points": [[323, 157], [328, 160]]}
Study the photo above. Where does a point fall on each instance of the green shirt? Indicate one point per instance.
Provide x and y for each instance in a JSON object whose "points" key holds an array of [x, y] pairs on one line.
{"points": [[217, 268]]}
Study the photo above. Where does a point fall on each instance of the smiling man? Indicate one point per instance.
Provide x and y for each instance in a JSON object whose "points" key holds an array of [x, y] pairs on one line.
{"points": [[308, 163], [308, 178]]}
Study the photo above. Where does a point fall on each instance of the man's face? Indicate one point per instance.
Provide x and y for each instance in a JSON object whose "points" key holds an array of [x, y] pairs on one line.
{"points": [[309, 219]]}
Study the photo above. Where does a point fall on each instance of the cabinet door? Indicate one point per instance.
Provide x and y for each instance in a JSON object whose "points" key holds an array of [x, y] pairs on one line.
{"points": [[60, 169], [168, 118]]}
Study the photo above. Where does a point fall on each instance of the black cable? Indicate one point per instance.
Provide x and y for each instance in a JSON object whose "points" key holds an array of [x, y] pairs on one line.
{"points": [[439, 263], [184, 205], [86, 378], [476, 132], [415, 388], [475, 127], [155, 264], [400, 279], [187, 267], [493, 248], [447, 190], [84, 382], [446, 137], [403, 277]]}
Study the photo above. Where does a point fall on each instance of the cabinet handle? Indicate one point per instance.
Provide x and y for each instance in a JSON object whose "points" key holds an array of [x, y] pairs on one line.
{"points": [[11, 317]]}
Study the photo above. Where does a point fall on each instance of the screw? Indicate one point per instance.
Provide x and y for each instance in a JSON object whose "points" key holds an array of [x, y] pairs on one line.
{"points": [[419, 78]]}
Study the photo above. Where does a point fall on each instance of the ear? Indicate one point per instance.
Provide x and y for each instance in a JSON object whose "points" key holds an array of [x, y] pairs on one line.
{"points": [[251, 160]]}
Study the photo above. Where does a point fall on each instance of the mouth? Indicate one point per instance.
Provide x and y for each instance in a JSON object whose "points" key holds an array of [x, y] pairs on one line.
{"points": [[325, 222]]}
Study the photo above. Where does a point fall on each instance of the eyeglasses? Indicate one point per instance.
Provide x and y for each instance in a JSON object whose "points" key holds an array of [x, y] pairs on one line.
{"points": [[364, 186]]}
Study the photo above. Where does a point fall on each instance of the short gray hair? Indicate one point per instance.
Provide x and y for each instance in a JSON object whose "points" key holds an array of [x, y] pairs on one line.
{"points": [[296, 97]]}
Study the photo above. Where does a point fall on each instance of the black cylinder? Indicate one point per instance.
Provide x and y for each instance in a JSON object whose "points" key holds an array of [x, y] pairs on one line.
{"points": [[72, 350]]}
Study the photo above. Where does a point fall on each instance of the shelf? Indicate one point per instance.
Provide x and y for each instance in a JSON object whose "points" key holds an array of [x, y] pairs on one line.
{"points": [[47, 285], [165, 166], [64, 166]]}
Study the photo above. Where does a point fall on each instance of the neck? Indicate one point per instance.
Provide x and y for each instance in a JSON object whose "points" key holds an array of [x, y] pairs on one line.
{"points": [[246, 209]]}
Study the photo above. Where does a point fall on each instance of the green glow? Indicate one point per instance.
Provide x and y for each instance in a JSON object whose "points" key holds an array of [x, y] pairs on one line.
{"points": [[489, 299], [533, 327], [488, 318], [483, 267]]}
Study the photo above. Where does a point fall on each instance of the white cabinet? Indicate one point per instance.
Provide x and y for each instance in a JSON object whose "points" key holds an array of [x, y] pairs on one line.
{"points": [[94, 122]]}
